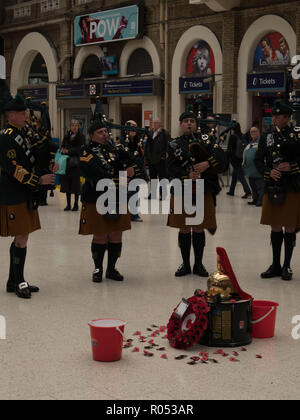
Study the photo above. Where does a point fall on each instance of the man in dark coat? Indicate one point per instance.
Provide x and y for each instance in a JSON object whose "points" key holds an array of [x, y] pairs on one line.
{"points": [[156, 151]]}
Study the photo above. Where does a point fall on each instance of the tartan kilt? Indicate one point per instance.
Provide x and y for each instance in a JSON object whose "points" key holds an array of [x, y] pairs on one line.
{"points": [[17, 220], [286, 214], [209, 222], [93, 223]]}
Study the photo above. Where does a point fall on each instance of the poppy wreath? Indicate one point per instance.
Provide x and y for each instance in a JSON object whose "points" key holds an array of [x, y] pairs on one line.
{"points": [[184, 339]]}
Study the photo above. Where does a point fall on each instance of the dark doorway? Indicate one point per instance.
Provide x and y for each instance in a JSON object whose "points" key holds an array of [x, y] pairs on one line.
{"points": [[132, 112]]}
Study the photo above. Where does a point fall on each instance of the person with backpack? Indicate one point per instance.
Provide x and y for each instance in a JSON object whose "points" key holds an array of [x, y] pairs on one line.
{"points": [[236, 146]]}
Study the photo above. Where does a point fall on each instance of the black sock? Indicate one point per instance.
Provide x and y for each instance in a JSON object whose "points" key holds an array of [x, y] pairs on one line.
{"points": [[68, 199], [185, 242], [289, 245], [98, 251], [11, 279], [114, 252], [76, 200], [198, 245], [19, 257], [276, 240]]}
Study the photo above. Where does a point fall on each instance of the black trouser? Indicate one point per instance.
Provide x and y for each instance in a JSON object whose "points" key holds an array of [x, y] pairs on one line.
{"points": [[257, 186], [159, 171]]}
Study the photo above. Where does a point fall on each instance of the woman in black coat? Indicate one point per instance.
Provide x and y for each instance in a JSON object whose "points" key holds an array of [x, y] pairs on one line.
{"points": [[71, 146]]}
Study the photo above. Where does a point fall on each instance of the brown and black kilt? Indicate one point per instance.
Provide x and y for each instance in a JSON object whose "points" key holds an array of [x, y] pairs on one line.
{"points": [[17, 220], [286, 214], [93, 223], [209, 222]]}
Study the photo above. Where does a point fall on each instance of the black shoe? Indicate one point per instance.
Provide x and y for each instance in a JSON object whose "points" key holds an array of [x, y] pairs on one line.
{"points": [[68, 208], [75, 208], [22, 290], [229, 193], [287, 274], [200, 270], [245, 196], [183, 271], [272, 272], [259, 205], [97, 276], [114, 275], [11, 288], [252, 203]]}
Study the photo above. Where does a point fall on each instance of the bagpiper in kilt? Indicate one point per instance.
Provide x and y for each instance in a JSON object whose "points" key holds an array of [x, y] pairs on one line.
{"points": [[103, 159], [278, 159], [209, 161], [19, 193]]}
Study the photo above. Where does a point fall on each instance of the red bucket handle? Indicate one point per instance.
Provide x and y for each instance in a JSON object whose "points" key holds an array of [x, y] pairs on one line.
{"points": [[263, 317], [122, 334]]}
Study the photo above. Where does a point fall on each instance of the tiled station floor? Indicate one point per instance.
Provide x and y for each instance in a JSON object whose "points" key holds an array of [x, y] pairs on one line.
{"points": [[47, 351]]}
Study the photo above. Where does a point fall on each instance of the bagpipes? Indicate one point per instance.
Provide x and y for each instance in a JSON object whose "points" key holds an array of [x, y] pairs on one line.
{"points": [[204, 136], [38, 134], [125, 154]]}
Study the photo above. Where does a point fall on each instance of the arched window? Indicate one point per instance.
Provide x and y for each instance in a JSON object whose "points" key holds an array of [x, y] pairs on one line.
{"points": [[91, 67], [38, 73], [140, 62]]}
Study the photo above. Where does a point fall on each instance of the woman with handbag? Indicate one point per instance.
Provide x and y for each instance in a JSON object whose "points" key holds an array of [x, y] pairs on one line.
{"points": [[70, 182]]}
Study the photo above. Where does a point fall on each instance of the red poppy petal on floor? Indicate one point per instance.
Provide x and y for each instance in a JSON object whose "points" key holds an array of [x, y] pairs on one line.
{"points": [[243, 349], [235, 353], [258, 356], [136, 350], [137, 333], [164, 356]]}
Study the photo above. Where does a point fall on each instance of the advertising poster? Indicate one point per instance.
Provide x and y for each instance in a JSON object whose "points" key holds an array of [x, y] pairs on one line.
{"points": [[148, 119], [107, 26], [273, 50], [201, 60], [109, 65]]}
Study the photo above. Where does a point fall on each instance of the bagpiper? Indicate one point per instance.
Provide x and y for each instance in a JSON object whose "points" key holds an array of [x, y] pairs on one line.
{"points": [[19, 193], [278, 160], [194, 156], [103, 159]]}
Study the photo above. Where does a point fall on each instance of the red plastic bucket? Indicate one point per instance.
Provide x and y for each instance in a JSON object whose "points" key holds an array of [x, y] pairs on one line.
{"points": [[263, 318], [107, 339]]}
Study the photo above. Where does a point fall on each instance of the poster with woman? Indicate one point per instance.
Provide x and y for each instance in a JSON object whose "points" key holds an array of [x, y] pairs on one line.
{"points": [[273, 50], [201, 60]]}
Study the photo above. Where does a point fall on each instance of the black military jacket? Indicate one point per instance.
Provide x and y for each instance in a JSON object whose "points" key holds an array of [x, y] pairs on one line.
{"points": [[280, 146], [98, 161], [189, 149], [42, 147], [17, 179]]}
